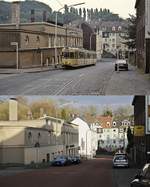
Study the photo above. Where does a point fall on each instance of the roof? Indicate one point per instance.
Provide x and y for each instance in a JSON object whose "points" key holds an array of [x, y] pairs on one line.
{"points": [[78, 121], [105, 121]]}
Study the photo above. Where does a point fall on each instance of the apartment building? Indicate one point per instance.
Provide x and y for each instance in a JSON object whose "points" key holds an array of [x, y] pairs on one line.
{"points": [[112, 136], [113, 41]]}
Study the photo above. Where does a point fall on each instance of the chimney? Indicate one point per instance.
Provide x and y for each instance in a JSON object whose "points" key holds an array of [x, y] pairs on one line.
{"points": [[16, 13], [32, 15], [44, 16], [13, 109]]}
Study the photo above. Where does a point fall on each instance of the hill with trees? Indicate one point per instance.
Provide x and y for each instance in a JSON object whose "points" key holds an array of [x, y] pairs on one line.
{"points": [[70, 14]]}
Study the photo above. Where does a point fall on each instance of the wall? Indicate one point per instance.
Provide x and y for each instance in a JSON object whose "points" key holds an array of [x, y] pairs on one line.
{"points": [[38, 154]]}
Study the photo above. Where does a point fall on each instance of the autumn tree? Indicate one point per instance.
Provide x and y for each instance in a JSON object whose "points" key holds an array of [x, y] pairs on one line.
{"points": [[123, 113], [4, 110], [107, 112]]}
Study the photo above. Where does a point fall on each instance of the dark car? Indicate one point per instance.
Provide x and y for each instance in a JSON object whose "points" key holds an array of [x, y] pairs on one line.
{"points": [[61, 161], [121, 64], [143, 178], [120, 160], [76, 160]]}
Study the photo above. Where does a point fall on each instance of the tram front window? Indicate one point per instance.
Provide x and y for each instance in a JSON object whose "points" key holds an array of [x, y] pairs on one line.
{"points": [[72, 55], [66, 55]]}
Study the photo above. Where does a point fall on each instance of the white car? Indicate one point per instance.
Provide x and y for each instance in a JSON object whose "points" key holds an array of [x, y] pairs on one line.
{"points": [[121, 64], [120, 160]]}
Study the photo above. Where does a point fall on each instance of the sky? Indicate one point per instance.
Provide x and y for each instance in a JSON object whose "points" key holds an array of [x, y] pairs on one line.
{"points": [[121, 7], [78, 101]]}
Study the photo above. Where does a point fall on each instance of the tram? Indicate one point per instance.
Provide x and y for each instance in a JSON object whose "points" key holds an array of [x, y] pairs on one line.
{"points": [[76, 57]]}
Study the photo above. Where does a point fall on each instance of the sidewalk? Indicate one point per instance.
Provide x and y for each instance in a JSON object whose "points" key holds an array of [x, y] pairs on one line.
{"points": [[29, 70]]}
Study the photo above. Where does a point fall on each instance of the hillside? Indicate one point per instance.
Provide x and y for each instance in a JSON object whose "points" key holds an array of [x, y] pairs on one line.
{"points": [[70, 14], [26, 7]]}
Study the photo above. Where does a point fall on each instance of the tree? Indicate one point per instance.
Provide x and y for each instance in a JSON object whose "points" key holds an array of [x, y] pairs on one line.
{"points": [[123, 113], [80, 12], [84, 14], [130, 137], [92, 14], [66, 9], [88, 14], [131, 32], [107, 112], [4, 111]]}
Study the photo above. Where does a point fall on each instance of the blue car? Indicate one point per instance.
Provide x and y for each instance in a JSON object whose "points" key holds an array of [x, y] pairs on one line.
{"points": [[76, 160], [61, 161]]}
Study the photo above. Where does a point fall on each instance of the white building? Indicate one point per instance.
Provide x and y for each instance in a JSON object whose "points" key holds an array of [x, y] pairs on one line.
{"points": [[111, 136], [87, 138], [111, 38]]}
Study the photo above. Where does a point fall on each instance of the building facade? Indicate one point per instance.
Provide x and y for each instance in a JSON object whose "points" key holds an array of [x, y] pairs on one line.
{"points": [[25, 142], [141, 129], [143, 35], [27, 45], [87, 138], [112, 38], [111, 135]]}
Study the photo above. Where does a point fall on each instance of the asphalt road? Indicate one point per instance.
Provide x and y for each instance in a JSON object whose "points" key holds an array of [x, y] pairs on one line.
{"points": [[92, 173], [94, 80]]}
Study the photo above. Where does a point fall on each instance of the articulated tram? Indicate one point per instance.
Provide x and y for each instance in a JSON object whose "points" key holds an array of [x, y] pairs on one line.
{"points": [[75, 57]]}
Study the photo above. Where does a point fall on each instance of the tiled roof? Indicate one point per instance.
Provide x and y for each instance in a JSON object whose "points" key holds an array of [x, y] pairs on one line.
{"points": [[105, 121]]}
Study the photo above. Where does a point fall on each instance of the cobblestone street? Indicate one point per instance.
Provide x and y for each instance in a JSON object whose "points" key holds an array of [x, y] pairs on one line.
{"points": [[94, 80]]}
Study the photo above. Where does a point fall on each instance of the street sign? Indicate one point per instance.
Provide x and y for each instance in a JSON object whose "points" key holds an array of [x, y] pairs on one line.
{"points": [[139, 130], [147, 108], [14, 43]]}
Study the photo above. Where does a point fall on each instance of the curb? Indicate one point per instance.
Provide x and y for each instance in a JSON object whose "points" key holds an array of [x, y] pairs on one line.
{"points": [[28, 71]]}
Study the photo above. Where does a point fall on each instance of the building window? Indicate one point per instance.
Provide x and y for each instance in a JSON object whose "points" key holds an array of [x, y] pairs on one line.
{"points": [[39, 135], [108, 123], [114, 141], [114, 124], [113, 28], [27, 39], [119, 28], [38, 39], [29, 135]]}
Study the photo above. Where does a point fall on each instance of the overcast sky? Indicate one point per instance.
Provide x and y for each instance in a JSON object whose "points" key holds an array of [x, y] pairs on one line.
{"points": [[122, 7]]}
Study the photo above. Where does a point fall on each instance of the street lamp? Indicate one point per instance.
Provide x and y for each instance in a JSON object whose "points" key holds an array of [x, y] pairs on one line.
{"points": [[17, 53], [56, 24]]}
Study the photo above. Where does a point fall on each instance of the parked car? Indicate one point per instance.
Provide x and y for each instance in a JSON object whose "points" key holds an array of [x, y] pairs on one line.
{"points": [[120, 160], [76, 160], [142, 179], [61, 161], [121, 64]]}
